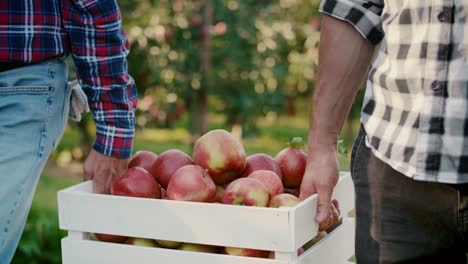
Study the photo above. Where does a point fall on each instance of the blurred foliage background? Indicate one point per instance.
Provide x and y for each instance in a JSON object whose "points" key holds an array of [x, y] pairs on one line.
{"points": [[247, 66]]}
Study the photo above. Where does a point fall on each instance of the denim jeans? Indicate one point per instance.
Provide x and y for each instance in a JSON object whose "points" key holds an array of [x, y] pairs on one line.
{"points": [[34, 106], [401, 220]]}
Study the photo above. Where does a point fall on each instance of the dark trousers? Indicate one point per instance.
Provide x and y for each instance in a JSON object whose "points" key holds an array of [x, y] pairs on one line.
{"points": [[401, 220]]}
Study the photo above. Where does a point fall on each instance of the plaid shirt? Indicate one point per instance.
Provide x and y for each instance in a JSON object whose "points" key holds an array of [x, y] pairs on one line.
{"points": [[90, 30], [415, 110]]}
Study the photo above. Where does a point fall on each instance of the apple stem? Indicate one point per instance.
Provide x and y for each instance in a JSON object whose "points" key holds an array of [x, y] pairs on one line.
{"points": [[296, 142]]}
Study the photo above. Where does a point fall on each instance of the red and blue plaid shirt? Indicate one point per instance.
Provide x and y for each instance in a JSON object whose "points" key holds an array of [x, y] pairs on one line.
{"points": [[91, 31]]}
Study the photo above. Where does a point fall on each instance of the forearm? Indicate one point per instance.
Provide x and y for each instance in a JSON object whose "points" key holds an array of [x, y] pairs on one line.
{"points": [[344, 59]]}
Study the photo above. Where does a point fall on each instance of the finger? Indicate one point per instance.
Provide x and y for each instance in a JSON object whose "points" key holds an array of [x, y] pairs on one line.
{"points": [[100, 184], [335, 214], [111, 177], [326, 224], [117, 171], [323, 204], [336, 205]]}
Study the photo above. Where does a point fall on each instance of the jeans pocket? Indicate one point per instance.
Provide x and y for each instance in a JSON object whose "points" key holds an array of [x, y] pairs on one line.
{"points": [[26, 90]]}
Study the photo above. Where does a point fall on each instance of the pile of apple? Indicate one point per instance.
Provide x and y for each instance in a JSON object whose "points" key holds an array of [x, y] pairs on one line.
{"points": [[219, 172]]}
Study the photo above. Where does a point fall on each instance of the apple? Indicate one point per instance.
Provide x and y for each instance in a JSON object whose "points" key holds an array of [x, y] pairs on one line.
{"points": [[221, 154], [199, 248], [111, 238], [270, 179], [167, 163], [136, 182], [219, 194], [246, 252], [271, 255], [284, 200], [292, 162], [261, 161], [196, 20], [144, 159], [246, 191], [143, 242], [168, 244], [191, 183]]}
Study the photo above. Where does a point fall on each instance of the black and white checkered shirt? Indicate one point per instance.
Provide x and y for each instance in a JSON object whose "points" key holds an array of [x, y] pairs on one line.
{"points": [[415, 110]]}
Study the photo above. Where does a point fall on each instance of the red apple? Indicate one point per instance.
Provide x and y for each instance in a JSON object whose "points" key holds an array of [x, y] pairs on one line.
{"points": [[246, 252], [261, 161], [111, 238], [143, 242], [292, 162], [219, 194], [168, 244], [144, 159], [284, 200], [199, 248], [167, 163], [221, 154], [270, 179], [191, 183], [246, 191], [136, 182], [196, 20]]}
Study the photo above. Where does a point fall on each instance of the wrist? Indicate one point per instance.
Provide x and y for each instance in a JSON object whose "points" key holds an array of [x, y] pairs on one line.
{"points": [[322, 146]]}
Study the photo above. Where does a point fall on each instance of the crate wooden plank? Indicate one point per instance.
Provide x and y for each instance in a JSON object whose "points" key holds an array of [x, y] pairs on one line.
{"points": [[75, 251], [213, 224], [336, 248]]}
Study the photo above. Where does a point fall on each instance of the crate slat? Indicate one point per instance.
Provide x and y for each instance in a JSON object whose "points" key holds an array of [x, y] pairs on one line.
{"points": [[91, 252], [336, 248], [202, 223]]}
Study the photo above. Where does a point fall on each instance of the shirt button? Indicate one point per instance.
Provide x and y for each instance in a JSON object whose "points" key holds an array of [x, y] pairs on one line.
{"points": [[444, 16], [436, 86]]}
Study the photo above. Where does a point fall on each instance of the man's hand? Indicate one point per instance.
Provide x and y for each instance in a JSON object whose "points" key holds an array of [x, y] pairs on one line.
{"points": [[344, 60], [103, 170], [321, 176]]}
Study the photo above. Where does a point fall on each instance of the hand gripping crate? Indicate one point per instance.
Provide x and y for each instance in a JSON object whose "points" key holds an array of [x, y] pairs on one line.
{"points": [[282, 230]]}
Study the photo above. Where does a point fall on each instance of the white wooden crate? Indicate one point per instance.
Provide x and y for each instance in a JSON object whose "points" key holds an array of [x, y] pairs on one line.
{"points": [[282, 230]]}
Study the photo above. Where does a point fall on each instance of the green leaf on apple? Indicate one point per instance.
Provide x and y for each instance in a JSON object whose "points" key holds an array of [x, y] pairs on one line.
{"points": [[341, 149]]}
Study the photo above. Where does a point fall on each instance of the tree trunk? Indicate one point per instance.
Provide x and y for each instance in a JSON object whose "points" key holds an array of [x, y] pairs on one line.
{"points": [[290, 106], [202, 93]]}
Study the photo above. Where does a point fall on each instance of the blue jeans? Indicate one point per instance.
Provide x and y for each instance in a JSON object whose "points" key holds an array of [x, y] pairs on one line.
{"points": [[34, 106]]}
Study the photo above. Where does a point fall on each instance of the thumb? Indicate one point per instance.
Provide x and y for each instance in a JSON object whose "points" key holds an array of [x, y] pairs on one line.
{"points": [[323, 205]]}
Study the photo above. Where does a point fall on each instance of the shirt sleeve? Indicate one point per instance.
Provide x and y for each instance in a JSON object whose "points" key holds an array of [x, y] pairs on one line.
{"points": [[363, 15], [99, 48]]}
